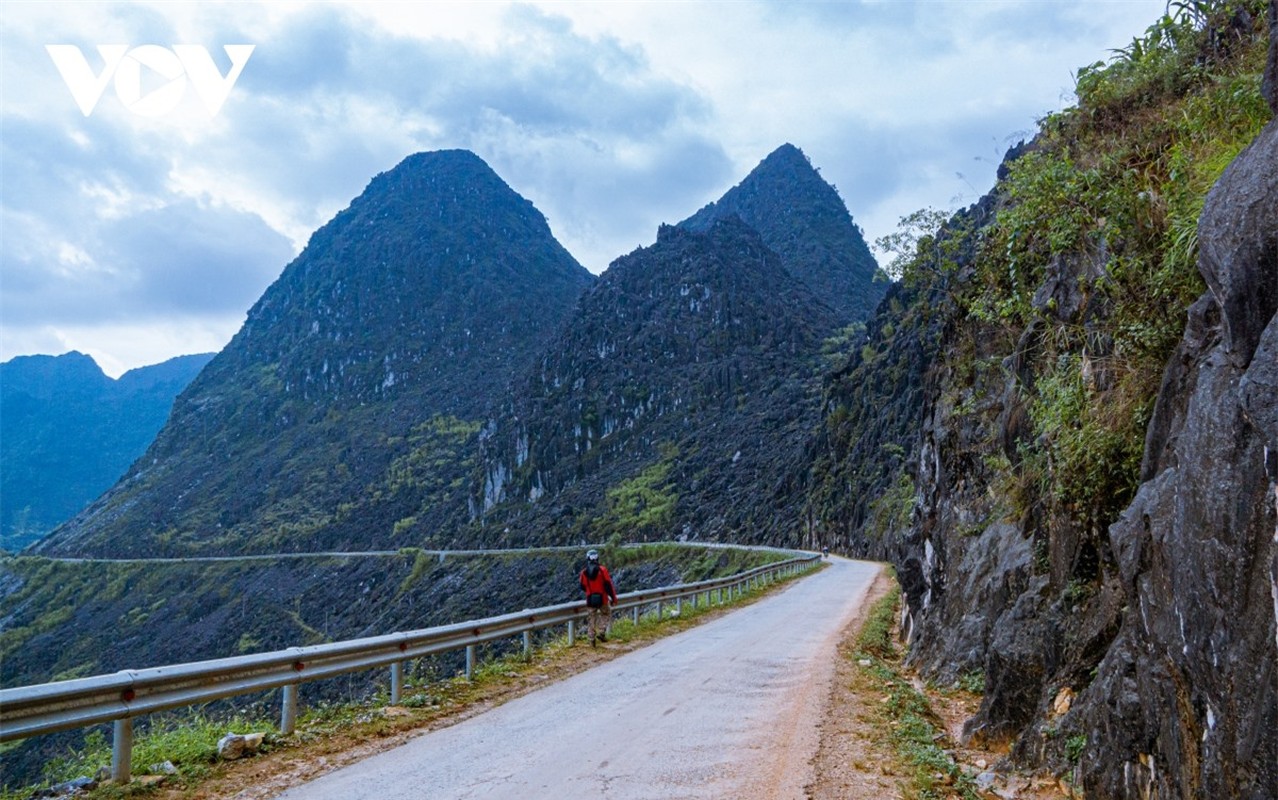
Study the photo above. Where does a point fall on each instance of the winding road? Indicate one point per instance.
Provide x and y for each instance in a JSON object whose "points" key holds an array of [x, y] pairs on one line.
{"points": [[729, 708]]}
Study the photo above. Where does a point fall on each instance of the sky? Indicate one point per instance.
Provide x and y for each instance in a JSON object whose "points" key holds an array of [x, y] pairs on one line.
{"points": [[146, 228]]}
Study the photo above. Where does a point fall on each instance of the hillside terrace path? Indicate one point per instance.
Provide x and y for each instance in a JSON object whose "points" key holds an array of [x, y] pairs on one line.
{"points": [[730, 708], [441, 554]]}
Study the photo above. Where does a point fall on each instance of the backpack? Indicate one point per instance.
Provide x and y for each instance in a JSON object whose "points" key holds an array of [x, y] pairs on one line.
{"points": [[593, 599]]}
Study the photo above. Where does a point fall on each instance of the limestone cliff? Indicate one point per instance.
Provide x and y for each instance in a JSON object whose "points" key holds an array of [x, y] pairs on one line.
{"points": [[1077, 380]]}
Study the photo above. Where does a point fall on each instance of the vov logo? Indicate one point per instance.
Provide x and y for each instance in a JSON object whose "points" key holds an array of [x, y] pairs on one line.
{"points": [[167, 72]]}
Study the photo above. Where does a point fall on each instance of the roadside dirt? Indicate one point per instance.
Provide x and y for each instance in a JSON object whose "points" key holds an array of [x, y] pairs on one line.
{"points": [[855, 760]]}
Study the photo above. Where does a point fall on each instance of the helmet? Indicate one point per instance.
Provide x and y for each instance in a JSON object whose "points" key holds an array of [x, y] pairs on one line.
{"points": [[592, 555]]}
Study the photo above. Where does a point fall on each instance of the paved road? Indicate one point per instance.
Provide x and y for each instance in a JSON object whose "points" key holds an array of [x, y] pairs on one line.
{"points": [[727, 709]]}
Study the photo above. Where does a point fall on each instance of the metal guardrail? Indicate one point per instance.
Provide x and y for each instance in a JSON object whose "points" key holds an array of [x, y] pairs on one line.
{"points": [[27, 711]]}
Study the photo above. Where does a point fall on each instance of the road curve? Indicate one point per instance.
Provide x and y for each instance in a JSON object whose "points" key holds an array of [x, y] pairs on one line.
{"points": [[727, 709]]}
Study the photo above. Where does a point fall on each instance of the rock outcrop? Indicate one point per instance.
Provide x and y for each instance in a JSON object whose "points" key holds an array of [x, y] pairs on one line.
{"points": [[1186, 699], [1121, 607], [1269, 85]]}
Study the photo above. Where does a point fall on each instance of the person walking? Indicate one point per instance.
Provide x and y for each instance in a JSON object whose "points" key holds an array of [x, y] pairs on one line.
{"points": [[600, 597]]}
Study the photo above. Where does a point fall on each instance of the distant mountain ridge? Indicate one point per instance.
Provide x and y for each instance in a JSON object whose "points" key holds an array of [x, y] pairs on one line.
{"points": [[68, 432], [353, 394]]}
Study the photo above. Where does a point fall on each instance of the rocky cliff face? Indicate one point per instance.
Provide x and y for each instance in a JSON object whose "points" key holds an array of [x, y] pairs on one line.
{"points": [[861, 487], [1098, 542], [1186, 697], [678, 400], [344, 412]]}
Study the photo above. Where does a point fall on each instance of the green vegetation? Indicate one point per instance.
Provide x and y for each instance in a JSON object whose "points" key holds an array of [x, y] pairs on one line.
{"points": [[916, 242], [891, 511], [875, 638], [643, 505], [972, 682], [834, 348], [188, 740], [1074, 747], [915, 733], [434, 448], [1107, 199]]}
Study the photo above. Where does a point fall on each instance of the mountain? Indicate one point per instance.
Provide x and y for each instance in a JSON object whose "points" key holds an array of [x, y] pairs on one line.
{"points": [[349, 401], [68, 431], [678, 400], [674, 403], [802, 218]]}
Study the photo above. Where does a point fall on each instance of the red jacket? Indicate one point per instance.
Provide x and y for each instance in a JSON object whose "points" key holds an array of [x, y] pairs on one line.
{"points": [[601, 583]]}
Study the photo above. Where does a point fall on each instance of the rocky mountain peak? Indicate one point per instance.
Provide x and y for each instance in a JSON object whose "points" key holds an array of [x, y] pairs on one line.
{"points": [[438, 261], [801, 216], [391, 336]]}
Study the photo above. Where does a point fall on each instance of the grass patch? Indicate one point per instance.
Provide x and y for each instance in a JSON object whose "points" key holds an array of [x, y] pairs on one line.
{"points": [[187, 740], [904, 717]]}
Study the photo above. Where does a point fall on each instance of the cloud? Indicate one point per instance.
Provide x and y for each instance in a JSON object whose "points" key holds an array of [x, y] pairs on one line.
{"points": [[113, 219], [611, 118], [190, 258], [576, 123], [178, 259]]}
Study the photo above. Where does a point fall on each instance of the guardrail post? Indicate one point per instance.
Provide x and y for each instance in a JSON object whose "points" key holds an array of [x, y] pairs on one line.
{"points": [[720, 595], [527, 645], [679, 606], [122, 750], [660, 609], [288, 709], [397, 682], [572, 631], [634, 615], [470, 661]]}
